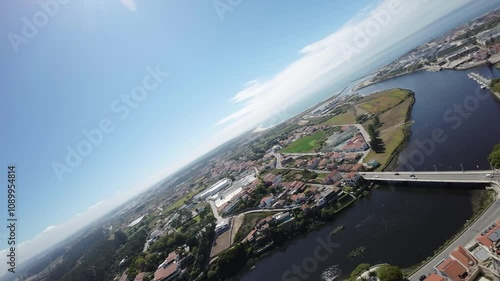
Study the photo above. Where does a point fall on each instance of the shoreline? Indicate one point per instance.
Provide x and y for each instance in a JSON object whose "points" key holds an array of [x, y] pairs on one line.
{"points": [[407, 134], [360, 85], [496, 94], [411, 270]]}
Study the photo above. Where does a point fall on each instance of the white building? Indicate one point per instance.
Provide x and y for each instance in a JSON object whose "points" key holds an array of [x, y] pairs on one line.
{"points": [[218, 186], [222, 227]]}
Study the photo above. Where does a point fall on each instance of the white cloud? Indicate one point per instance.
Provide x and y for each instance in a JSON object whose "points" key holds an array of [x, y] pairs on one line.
{"points": [[338, 56], [49, 228], [130, 4]]}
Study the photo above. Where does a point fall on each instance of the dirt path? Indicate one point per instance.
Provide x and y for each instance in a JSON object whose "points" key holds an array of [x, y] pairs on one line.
{"points": [[237, 222]]}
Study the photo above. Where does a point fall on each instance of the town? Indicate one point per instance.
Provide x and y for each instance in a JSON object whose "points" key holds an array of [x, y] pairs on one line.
{"points": [[467, 46]]}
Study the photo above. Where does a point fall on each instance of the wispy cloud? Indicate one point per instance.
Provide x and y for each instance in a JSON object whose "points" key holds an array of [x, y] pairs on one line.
{"points": [[338, 56], [130, 4]]}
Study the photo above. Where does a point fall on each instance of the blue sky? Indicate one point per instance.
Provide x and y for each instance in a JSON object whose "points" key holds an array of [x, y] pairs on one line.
{"points": [[222, 73]]}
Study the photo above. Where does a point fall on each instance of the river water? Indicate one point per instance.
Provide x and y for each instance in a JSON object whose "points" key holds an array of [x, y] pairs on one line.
{"points": [[403, 225]]}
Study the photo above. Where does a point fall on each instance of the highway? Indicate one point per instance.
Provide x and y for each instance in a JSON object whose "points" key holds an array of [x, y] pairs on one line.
{"points": [[489, 217], [459, 177]]}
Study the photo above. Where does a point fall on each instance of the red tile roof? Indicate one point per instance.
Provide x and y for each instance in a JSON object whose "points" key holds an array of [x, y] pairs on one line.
{"points": [[265, 199], [463, 256], [297, 197], [164, 272], [350, 175], [171, 257], [434, 277], [140, 276], [357, 167], [452, 268]]}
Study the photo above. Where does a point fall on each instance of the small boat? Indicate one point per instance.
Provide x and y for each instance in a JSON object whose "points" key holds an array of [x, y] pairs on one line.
{"points": [[337, 230]]}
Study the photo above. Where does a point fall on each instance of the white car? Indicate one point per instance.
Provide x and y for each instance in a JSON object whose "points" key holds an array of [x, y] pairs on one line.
{"points": [[489, 175], [376, 176]]}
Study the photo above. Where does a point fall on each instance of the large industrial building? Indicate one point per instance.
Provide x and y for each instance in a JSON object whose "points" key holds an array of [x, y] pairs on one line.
{"points": [[218, 186]]}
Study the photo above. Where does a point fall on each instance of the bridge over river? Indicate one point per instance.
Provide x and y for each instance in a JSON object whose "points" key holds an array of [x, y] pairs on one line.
{"points": [[491, 215], [483, 177]]}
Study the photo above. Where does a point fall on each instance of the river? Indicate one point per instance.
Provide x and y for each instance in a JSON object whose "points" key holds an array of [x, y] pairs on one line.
{"points": [[404, 225]]}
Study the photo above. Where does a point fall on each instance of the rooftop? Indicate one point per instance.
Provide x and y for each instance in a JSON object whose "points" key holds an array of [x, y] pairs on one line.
{"points": [[164, 272], [452, 268], [463, 256], [490, 235], [140, 276], [434, 277]]}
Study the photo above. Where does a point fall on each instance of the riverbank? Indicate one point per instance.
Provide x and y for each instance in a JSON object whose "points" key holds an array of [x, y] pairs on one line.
{"points": [[495, 87], [394, 132], [480, 204]]}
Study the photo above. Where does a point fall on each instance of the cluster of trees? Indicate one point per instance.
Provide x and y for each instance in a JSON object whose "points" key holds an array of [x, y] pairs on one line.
{"points": [[388, 272], [71, 257], [376, 142], [495, 85], [229, 263], [97, 260], [385, 272], [494, 157]]}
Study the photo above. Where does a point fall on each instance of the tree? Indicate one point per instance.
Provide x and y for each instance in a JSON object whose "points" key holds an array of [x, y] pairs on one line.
{"points": [[376, 122], [327, 214], [232, 260], [140, 263], [360, 269], [389, 273], [494, 157], [371, 130]]}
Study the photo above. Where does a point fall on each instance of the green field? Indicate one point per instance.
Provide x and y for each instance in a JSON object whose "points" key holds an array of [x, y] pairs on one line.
{"points": [[497, 65], [392, 131], [181, 200], [380, 102], [306, 144], [341, 119]]}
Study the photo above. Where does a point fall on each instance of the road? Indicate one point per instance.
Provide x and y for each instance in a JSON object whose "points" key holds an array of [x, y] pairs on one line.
{"points": [[362, 130], [215, 212], [465, 177], [270, 210], [490, 216]]}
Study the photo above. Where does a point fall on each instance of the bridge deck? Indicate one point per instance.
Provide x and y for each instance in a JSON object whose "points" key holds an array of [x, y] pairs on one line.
{"points": [[443, 177]]}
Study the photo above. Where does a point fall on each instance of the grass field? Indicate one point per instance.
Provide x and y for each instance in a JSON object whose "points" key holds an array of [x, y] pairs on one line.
{"points": [[181, 200], [391, 132], [382, 101], [306, 144], [497, 65], [341, 119]]}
